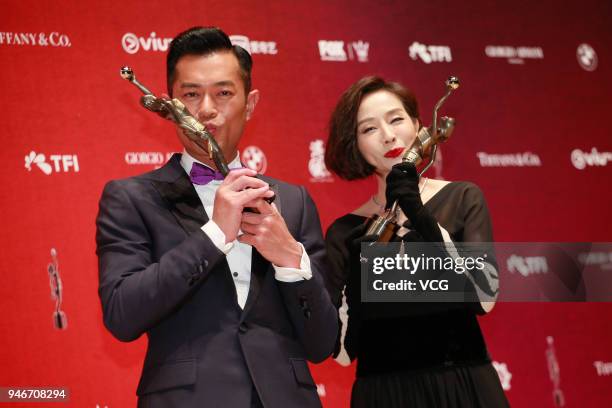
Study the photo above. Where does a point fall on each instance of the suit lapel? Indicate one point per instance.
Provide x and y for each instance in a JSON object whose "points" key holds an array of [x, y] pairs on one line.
{"points": [[259, 269], [176, 189]]}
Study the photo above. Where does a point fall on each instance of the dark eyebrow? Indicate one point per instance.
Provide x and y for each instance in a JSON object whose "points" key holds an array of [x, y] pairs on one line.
{"points": [[190, 85], [224, 83], [196, 85]]}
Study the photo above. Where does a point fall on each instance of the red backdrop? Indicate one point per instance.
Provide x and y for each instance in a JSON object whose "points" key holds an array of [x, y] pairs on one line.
{"points": [[531, 132]]}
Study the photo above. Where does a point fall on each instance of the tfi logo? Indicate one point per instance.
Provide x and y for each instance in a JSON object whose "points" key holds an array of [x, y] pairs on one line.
{"points": [[255, 159], [59, 162], [131, 43], [339, 51], [430, 53], [254, 47], [316, 164], [528, 265]]}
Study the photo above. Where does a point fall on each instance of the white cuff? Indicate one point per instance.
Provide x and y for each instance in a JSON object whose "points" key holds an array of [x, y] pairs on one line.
{"points": [[293, 274], [217, 236]]}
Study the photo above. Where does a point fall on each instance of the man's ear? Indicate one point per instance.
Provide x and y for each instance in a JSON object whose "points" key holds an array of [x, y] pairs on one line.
{"points": [[252, 99]]}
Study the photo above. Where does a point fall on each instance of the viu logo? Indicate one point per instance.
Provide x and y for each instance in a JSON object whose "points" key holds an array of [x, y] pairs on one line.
{"points": [[131, 43], [59, 162]]}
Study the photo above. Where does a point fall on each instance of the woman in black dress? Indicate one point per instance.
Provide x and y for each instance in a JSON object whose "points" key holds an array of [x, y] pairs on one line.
{"points": [[408, 354]]}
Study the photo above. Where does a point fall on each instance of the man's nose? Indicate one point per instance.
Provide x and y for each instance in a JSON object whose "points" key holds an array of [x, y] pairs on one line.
{"points": [[207, 109]]}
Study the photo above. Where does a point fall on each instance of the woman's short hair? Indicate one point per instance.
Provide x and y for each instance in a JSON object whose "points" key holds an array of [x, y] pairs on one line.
{"points": [[342, 155]]}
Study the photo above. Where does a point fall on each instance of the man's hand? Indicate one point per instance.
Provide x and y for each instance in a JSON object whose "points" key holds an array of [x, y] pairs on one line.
{"points": [[268, 233], [238, 190]]}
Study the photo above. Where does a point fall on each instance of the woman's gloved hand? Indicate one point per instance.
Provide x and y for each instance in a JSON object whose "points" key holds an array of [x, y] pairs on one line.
{"points": [[403, 186]]}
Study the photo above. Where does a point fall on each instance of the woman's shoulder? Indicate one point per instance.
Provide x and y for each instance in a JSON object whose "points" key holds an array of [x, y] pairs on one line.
{"points": [[341, 226], [445, 189]]}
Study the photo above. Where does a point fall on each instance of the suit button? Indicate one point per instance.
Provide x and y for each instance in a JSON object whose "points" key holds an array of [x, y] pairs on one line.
{"points": [[243, 328], [235, 274], [305, 307]]}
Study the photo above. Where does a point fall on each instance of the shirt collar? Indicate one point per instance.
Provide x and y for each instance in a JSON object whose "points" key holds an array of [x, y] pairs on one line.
{"points": [[187, 161]]}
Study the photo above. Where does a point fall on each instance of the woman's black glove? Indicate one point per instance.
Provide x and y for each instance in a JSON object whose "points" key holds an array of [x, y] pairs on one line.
{"points": [[403, 186]]}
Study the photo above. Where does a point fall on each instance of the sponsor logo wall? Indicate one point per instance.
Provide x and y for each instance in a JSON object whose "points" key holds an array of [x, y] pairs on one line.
{"points": [[581, 160], [587, 57], [430, 53], [70, 125], [514, 55], [132, 43], [52, 39], [52, 163], [336, 50], [505, 376], [254, 46], [255, 159], [526, 159], [316, 164]]}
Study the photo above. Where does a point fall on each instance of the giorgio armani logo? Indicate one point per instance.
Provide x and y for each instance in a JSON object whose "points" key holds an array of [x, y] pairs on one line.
{"points": [[147, 158], [514, 55]]}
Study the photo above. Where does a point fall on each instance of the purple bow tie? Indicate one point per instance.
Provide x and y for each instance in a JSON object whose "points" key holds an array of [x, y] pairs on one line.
{"points": [[203, 175]]}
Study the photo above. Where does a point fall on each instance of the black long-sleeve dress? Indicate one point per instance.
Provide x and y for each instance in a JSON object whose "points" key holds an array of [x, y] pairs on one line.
{"points": [[418, 354]]}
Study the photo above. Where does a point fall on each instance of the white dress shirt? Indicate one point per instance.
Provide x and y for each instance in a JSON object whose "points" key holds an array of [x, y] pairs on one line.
{"points": [[238, 255]]}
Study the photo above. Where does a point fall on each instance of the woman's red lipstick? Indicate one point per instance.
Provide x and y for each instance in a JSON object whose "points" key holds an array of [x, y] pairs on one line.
{"points": [[393, 153]]}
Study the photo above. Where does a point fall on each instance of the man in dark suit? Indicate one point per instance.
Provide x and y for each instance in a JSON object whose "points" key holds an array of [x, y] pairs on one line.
{"points": [[233, 302]]}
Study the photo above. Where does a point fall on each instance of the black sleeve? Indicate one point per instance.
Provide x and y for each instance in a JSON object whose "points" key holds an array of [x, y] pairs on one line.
{"points": [[312, 313], [342, 282], [136, 291]]}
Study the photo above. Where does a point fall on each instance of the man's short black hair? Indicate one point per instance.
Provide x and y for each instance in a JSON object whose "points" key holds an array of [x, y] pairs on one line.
{"points": [[204, 41]]}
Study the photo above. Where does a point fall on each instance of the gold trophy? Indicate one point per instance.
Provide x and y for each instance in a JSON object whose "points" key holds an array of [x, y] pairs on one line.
{"points": [[424, 147], [175, 110]]}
